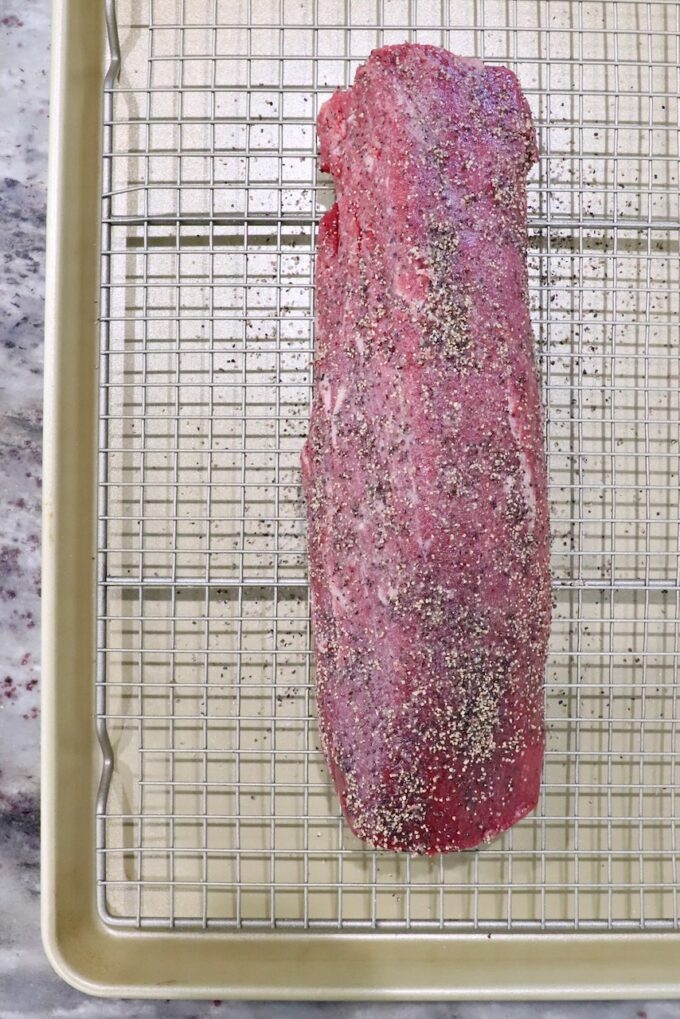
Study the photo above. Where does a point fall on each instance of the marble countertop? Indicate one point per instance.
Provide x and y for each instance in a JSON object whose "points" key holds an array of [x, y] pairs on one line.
{"points": [[27, 985]]}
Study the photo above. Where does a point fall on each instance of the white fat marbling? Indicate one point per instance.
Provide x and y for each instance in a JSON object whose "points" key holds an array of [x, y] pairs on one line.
{"points": [[28, 988]]}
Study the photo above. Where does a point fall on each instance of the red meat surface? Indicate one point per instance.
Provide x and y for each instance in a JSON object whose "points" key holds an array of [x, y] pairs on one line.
{"points": [[424, 471]]}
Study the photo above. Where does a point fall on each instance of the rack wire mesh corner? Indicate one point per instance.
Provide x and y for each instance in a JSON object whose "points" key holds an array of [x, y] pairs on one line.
{"points": [[214, 809]]}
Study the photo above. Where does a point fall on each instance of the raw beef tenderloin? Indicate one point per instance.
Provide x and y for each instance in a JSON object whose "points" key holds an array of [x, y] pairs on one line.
{"points": [[424, 471]]}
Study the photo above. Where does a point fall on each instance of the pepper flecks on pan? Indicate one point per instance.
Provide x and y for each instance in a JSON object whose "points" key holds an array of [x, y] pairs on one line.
{"points": [[424, 469]]}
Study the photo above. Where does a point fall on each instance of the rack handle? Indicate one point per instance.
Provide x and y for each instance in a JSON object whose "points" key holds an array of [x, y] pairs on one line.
{"points": [[113, 70]]}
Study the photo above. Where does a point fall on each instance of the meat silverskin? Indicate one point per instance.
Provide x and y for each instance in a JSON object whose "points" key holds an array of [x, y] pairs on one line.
{"points": [[424, 469]]}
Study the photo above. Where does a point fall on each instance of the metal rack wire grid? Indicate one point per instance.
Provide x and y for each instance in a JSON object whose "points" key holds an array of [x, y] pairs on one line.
{"points": [[215, 810]]}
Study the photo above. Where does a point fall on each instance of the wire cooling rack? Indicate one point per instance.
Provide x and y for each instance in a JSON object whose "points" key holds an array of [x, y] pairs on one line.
{"points": [[215, 809]]}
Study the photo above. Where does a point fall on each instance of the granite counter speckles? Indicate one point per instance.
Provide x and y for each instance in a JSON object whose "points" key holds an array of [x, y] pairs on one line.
{"points": [[24, 55], [28, 988]]}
